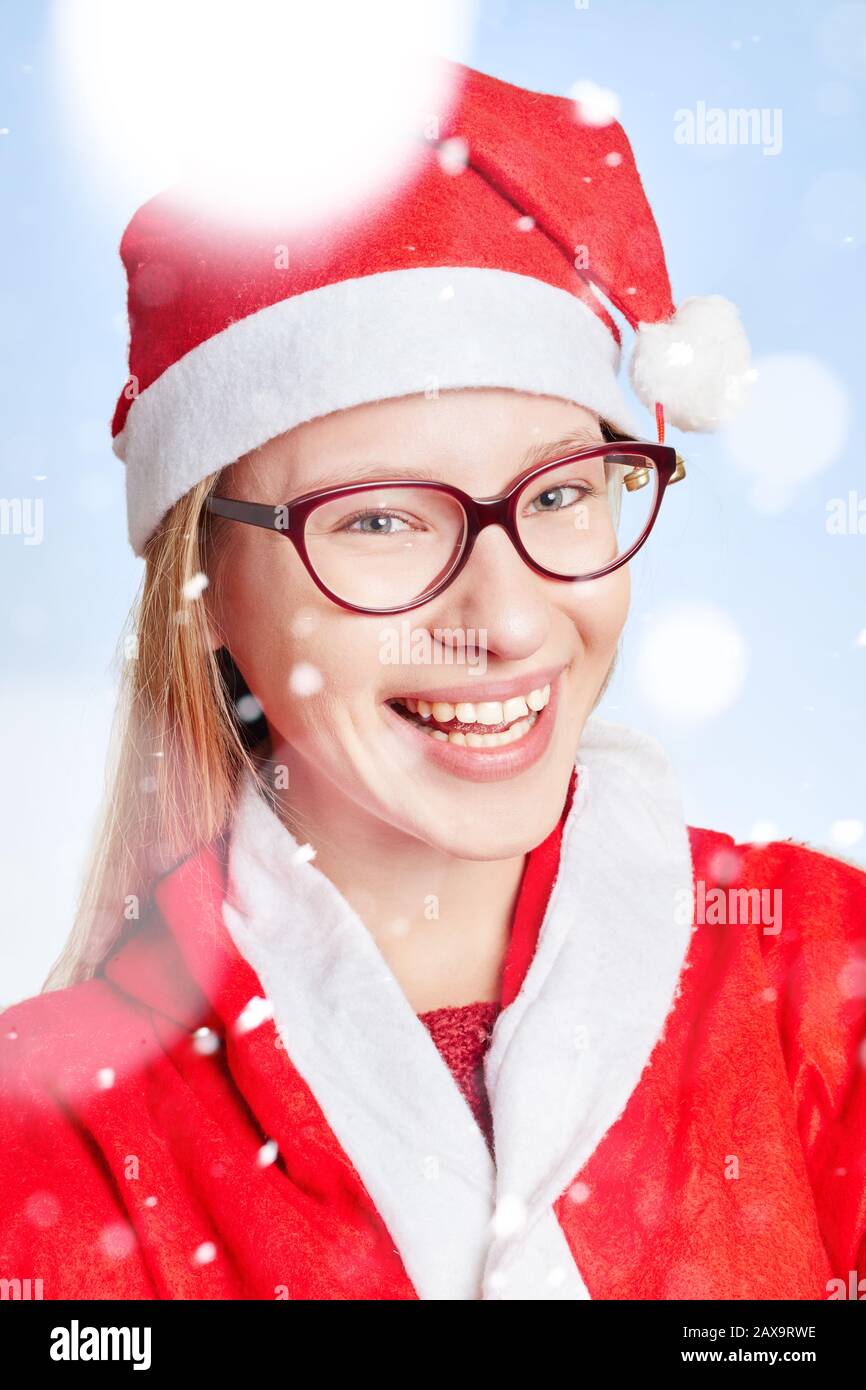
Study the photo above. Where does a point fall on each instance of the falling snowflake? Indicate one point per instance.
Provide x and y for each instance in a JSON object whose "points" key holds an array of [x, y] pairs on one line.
{"points": [[150, 1201], [42, 1209], [205, 1042], [117, 1240], [852, 979], [267, 1154], [195, 587], [305, 679], [763, 832], [594, 105], [304, 622], [779, 450], [447, 292], [846, 833], [613, 159], [105, 1078], [256, 1012], [525, 224], [453, 155], [304, 854], [248, 709], [579, 1192], [691, 662], [724, 866], [205, 1253]]}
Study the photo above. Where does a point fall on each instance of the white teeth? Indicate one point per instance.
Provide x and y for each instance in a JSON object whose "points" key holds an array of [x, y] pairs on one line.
{"points": [[442, 712], [519, 713], [514, 709], [473, 740]]}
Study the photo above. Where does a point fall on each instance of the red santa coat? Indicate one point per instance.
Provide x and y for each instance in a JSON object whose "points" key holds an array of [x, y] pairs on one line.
{"points": [[243, 1104]]}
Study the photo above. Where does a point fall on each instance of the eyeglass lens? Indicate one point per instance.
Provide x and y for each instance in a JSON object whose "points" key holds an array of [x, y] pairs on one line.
{"points": [[390, 545]]}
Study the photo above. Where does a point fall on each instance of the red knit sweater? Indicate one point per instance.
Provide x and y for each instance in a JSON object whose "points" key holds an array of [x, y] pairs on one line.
{"points": [[462, 1032]]}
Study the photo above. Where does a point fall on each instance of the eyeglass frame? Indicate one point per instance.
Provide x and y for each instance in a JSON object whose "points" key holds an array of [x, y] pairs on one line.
{"points": [[290, 518]]}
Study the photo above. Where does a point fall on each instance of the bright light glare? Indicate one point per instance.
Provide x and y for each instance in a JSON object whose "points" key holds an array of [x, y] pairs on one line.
{"points": [[261, 106]]}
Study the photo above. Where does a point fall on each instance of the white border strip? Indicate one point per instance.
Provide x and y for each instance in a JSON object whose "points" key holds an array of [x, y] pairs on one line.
{"points": [[396, 333]]}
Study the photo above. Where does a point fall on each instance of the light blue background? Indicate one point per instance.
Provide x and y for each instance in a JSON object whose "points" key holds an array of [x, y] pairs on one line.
{"points": [[790, 749]]}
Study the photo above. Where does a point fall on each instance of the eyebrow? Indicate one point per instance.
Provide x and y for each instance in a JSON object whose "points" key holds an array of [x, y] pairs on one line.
{"points": [[538, 453]]}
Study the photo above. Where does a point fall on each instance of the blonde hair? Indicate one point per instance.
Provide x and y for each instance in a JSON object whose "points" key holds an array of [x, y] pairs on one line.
{"points": [[177, 749]]}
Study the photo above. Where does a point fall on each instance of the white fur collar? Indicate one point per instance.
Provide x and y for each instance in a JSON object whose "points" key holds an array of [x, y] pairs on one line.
{"points": [[565, 1055]]}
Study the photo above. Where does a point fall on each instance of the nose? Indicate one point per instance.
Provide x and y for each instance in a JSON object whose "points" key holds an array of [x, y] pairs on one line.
{"points": [[498, 597]]}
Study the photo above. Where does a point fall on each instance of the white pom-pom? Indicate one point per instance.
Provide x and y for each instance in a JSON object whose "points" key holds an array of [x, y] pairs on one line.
{"points": [[697, 364]]}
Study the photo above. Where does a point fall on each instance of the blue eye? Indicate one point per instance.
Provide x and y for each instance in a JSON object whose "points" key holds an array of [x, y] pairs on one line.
{"points": [[558, 498]]}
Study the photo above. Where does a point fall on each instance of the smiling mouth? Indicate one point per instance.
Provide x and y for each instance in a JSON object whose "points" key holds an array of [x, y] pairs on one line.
{"points": [[484, 724]]}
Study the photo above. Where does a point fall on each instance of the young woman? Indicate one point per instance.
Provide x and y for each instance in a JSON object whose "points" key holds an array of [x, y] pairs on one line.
{"points": [[398, 973]]}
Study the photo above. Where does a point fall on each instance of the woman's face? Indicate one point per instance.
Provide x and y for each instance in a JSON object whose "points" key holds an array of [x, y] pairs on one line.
{"points": [[344, 693]]}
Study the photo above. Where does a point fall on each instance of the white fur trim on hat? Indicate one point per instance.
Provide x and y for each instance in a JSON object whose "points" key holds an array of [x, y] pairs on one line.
{"points": [[696, 364], [390, 334]]}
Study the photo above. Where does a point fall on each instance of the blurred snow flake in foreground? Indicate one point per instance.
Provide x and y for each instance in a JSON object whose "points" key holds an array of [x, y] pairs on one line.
{"points": [[846, 833], [205, 1042], [453, 155], [305, 679], [248, 709], [117, 1240], [852, 979], [195, 586], [205, 1253], [594, 105], [253, 1014], [267, 1154], [691, 661], [105, 1078], [778, 449], [763, 832], [42, 1209]]}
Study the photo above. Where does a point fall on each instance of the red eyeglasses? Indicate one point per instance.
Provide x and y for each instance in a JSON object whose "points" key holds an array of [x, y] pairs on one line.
{"points": [[390, 546]]}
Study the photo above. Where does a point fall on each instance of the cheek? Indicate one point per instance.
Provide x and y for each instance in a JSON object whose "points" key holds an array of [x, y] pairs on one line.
{"points": [[301, 656], [598, 610]]}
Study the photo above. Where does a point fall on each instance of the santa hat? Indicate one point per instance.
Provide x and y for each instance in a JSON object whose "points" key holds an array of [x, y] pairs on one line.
{"points": [[485, 269]]}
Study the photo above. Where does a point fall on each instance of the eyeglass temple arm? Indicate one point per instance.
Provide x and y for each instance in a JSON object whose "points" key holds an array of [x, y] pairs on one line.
{"points": [[272, 518], [640, 474]]}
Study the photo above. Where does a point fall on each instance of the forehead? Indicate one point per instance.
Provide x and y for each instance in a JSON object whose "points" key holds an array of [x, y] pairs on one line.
{"points": [[477, 439]]}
